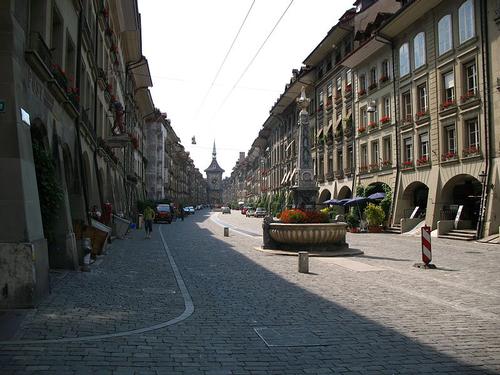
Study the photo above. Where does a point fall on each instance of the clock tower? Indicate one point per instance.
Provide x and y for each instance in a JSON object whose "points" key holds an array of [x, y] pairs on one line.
{"points": [[214, 180]]}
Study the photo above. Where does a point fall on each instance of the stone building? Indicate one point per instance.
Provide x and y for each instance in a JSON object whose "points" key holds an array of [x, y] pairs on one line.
{"points": [[75, 86], [405, 96]]}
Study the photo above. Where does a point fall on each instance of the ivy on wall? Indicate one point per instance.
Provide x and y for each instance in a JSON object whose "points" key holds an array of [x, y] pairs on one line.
{"points": [[49, 189]]}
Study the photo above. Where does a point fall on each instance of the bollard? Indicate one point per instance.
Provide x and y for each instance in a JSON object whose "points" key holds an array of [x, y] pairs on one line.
{"points": [[226, 231], [303, 262], [426, 249]]}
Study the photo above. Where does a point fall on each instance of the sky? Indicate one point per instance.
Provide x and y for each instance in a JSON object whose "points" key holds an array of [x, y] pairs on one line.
{"points": [[186, 42]]}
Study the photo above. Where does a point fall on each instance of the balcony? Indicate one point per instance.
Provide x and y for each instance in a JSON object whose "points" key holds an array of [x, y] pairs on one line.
{"points": [[348, 171], [321, 178], [330, 176], [339, 174], [39, 57]]}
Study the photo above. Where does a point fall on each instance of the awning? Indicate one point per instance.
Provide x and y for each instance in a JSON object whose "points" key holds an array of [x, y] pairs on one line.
{"points": [[289, 145], [285, 178], [363, 52], [292, 175], [329, 127], [320, 133]]}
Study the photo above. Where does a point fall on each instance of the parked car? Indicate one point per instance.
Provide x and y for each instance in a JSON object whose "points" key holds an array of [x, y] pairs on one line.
{"points": [[244, 210], [226, 210], [250, 212], [260, 212], [191, 210], [163, 213]]}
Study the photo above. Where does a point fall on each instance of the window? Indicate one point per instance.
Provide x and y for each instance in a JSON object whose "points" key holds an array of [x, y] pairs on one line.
{"points": [[449, 88], [320, 99], [373, 77], [348, 78], [386, 106], [363, 117], [338, 87], [375, 152], [364, 155], [404, 60], [362, 84], [470, 79], [385, 71], [347, 46], [424, 146], [419, 50], [450, 140], [408, 149], [340, 160], [472, 131], [422, 100], [329, 91], [444, 34], [350, 159], [387, 150], [406, 109], [466, 21]]}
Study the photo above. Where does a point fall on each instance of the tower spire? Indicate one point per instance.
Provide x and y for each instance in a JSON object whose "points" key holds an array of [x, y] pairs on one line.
{"points": [[214, 152]]}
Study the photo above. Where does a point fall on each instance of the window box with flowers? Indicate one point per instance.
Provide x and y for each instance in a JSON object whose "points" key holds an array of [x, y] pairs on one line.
{"points": [[386, 164], [448, 105], [361, 130], [363, 169], [348, 90], [338, 97], [385, 120], [449, 156], [372, 125], [373, 86], [421, 116], [73, 96], [423, 161], [329, 104], [374, 167], [407, 165], [383, 79], [362, 92], [469, 98], [470, 152]]}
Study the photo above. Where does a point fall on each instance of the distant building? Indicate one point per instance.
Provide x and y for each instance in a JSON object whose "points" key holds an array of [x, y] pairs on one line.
{"points": [[214, 180]]}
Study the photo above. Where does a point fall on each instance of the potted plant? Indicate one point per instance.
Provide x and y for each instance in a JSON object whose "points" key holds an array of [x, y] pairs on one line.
{"points": [[353, 222], [375, 217]]}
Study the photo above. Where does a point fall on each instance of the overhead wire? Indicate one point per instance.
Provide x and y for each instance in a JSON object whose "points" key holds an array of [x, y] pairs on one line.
{"points": [[224, 60], [253, 59]]}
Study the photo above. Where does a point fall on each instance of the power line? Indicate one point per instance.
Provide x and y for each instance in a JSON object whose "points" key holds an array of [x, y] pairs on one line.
{"points": [[224, 60], [253, 58]]}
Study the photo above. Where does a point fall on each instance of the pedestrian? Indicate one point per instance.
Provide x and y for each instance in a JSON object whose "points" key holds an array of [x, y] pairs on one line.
{"points": [[149, 215], [181, 212]]}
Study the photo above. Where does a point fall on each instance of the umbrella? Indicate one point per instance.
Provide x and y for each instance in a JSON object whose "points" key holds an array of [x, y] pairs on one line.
{"points": [[355, 201], [376, 196], [336, 202]]}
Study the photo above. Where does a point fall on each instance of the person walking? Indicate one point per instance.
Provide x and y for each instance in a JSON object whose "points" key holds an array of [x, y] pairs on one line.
{"points": [[149, 215], [181, 212]]}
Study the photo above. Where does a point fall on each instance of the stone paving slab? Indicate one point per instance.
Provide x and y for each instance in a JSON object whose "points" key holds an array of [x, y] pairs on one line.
{"points": [[398, 321]]}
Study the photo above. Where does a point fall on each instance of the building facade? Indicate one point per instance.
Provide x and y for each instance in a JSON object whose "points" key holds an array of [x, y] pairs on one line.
{"points": [[405, 100]]}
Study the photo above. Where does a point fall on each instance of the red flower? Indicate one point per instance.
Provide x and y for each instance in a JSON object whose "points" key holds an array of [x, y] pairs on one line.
{"points": [[385, 120], [361, 92]]}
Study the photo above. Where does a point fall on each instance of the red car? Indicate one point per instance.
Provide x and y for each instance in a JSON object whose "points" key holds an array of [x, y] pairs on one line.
{"points": [[163, 213]]}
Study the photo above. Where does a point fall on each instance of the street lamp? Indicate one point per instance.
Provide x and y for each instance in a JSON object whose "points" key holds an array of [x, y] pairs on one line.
{"points": [[372, 107]]}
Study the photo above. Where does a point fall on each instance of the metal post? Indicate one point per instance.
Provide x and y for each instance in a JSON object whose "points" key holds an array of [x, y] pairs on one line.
{"points": [[226, 231]]}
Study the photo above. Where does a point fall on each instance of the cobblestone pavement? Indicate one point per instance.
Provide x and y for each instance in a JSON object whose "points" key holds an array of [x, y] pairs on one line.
{"points": [[254, 314]]}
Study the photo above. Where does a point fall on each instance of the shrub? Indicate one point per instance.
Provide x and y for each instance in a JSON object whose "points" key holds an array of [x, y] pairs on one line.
{"points": [[374, 214], [352, 220], [304, 217]]}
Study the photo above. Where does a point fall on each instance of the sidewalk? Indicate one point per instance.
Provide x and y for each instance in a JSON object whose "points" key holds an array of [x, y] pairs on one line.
{"points": [[133, 274]]}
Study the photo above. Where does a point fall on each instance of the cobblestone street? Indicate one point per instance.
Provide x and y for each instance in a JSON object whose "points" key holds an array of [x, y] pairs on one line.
{"points": [[254, 314]]}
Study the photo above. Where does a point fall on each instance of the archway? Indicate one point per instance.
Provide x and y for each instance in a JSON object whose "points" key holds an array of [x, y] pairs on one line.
{"points": [[324, 195], [461, 190], [344, 193], [415, 195]]}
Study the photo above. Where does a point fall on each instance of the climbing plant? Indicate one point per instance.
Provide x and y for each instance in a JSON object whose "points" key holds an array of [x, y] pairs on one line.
{"points": [[49, 190]]}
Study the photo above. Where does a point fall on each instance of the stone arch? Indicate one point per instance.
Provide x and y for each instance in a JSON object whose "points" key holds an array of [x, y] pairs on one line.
{"points": [[324, 195], [414, 195], [461, 190], [344, 192], [87, 185]]}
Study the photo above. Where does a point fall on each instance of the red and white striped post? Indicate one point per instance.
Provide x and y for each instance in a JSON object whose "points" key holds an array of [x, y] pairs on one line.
{"points": [[426, 245]]}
